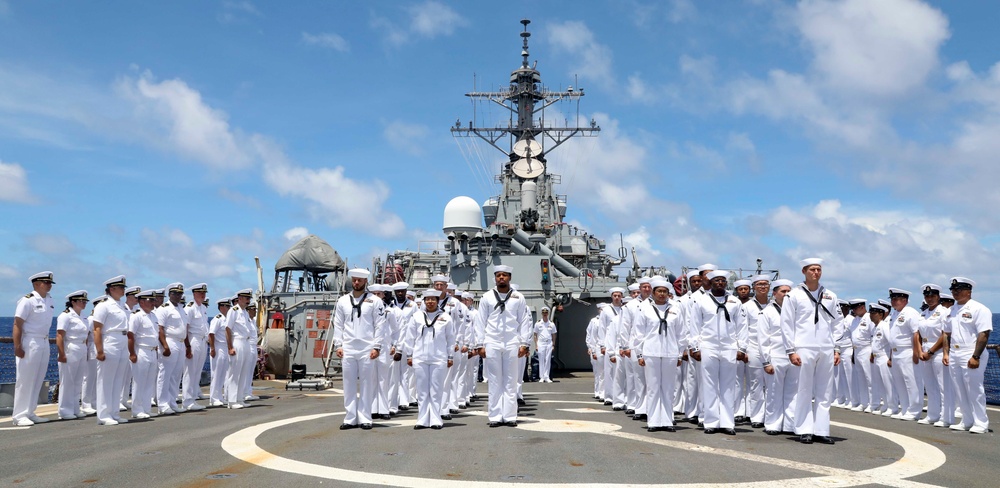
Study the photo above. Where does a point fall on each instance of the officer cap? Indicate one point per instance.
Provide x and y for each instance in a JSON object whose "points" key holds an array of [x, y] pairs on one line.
{"points": [[133, 290], [962, 283], [43, 276], [77, 295], [116, 281], [898, 293], [175, 288], [200, 287]]}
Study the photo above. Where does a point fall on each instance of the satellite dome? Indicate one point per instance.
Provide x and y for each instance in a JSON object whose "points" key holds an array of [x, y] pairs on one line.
{"points": [[462, 214]]}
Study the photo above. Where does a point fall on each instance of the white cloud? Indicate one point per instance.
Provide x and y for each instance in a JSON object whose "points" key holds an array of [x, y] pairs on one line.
{"points": [[295, 234], [639, 241], [680, 10], [170, 254], [328, 40], [14, 184], [592, 60], [238, 12], [407, 137], [427, 20], [50, 244]]}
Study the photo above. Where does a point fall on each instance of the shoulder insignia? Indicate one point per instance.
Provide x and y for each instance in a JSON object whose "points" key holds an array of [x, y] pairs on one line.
{"points": [[219, 316], [29, 295]]}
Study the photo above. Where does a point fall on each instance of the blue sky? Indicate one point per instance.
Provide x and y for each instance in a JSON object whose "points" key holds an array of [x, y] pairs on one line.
{"points": [[174, 141]]}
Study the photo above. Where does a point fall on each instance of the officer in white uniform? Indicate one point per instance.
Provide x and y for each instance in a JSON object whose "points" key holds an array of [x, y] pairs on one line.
{"points": [[110, 329], [32, 321], [174, 321], [218, 345], [145, 339], [429, 346], [88, 400], [359, 334], [131, 305], [780, 377], [904, 325], [658, 343], [858, 332], [545, 341], [197, 314], [718, 343], [967, 333], [241, 350], [71, 341], [252, 353], [811, 323], [931, 369], [502, 332], [881, 361], [950, 370]]}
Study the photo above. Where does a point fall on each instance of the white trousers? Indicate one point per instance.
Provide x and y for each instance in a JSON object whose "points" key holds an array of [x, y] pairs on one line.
{"points": [[457, 393], [250, 365], [220, 369], [89, 395], [904, 383], [472, 369], [71, 378], [501, 373], [679, 403], [882, 386], [608, 378], [950, 394], [815, 382], [931, 373], [718, 388], [522, 363], [359, 388], [429, 379], [168, 376], [447, 391], [127, 383], [970, 392], [30, 375], [236, 382], [399, 394], [779, 395], [144, 372], [861, 388], [740, 406], [755, 394], [111, 377], [630, 366], [661, 377], [380, 400], [596, 366], [639, 386], [845, 375], [692, 386], [545, 361], [192, 371], [619, 382]]}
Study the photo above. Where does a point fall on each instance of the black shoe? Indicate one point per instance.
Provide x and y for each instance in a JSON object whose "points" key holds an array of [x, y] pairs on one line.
{"points": [[806, 438], [701, 425], [669, 428], [757, 425], [772, 432], [694, 420], [437, 427], [711, 431], [453, 411], [607, 402], [348, 426], [617, 409], [419, 427], [630, 412], [652, 429], [461, 407], [729, 431], [446, 417], [640, 417], [521, 402], [385, 416], [788, 432], [403, 408], [493, 424], [413, 404], [822, 439], [512, 423], [366, 426]]}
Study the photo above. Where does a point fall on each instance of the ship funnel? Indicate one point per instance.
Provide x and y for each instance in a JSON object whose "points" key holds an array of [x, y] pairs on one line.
{"points": [[462, 215]]}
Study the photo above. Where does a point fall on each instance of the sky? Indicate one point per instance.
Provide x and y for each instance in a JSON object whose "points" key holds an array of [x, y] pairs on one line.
{"points": [[176, 141]]}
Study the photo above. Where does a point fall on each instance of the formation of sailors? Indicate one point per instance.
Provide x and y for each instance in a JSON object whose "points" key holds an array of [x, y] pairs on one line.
{"points": [[777, 355], [138, 348]]}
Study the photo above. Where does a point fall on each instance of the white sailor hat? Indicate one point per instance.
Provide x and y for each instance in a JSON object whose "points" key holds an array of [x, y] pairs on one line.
{"points": [[781, 282], [133, 290], [400, 285], [692, 273], [643, 280], [468, 295], [810, 261], [616, 289], [842, 303], [601, 306], [43, 276], [246, 292], [878, 308], [854, 302], [660, 283], [961, 283], [503, 268], [634, 287], [227, 301], [411, 293], [760, 277], [359, 273], [718, 274], [439, 278], [375, 287], [898, 293], [148, 294], [626, 299], [175, 288], [545, 309], [430, 293], [200, 287], [947, 296], [77, 295], [928, 288], [707, 267], [739, 283], [452, 286], [116, 281]]}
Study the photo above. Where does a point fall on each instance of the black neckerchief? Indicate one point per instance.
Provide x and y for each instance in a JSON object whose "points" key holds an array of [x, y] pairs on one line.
{"points": [[402, 304], [776, 306], [721, 305], [502, 304], [430, 324], [663, 319], [816, 302], [357, 306], [760, 307], [613, 310]]}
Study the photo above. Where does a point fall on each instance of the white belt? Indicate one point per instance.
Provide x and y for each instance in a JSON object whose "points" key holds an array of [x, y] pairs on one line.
{"points": [[148, 348], [36, 336]]}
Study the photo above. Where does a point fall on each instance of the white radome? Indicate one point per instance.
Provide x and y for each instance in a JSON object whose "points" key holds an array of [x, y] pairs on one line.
{"points": [[462, 214]]}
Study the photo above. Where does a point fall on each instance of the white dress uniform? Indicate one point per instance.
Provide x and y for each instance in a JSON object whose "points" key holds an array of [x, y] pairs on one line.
{"points": [[36, 311], [718, 337], [544, 331], [781, 386], [174, 322], [430, 341], [471, 364], [881, 372], [399, 391], [75, 330], [453, 383], [751, 402], [600, 331], [659, 339], [692, 380], [145, 333], [932, 371], [252, 356], [383, 366], [844, 372], [503, 326], [811, 323], [197, 315], [904, 324], [614, 372], [219, 363], [88, 398], [111, 372], [635, 377], [359, 326], [967, 322], [594, 350], [238, 323], [860, 330]]}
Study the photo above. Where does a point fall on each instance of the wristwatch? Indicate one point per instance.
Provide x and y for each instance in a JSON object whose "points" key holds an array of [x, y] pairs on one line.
{"points": [[975, 357]]}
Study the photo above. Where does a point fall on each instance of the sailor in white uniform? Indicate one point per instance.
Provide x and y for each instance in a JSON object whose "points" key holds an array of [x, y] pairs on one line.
{"points": [[472, 358], [32, 321], [197, 314], [811, 323], [71, 341], [752, 401], [743, 292], [931, 369], [593, 350], [780, 376], [860, 332], [545, 341], [429, 347], [402, 309], [110, 329], [383, 365], [174, 321], [904, 324], [218, 347], [241, 350], [614, 366], [689, 383], [658, 342], [359, 334], [966, 334], [635, 377], [145, 340], [503, 332], [88, 400], [881, 361], [718, 342]]}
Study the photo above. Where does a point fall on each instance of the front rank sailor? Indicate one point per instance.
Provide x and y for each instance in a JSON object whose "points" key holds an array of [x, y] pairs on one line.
{"points": [[111, 343], [197, 314], [145, 340], [359, 333], [32, 321], [174, 321], [429, 345], [966, 335], [658, 338], [545, 340]]}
